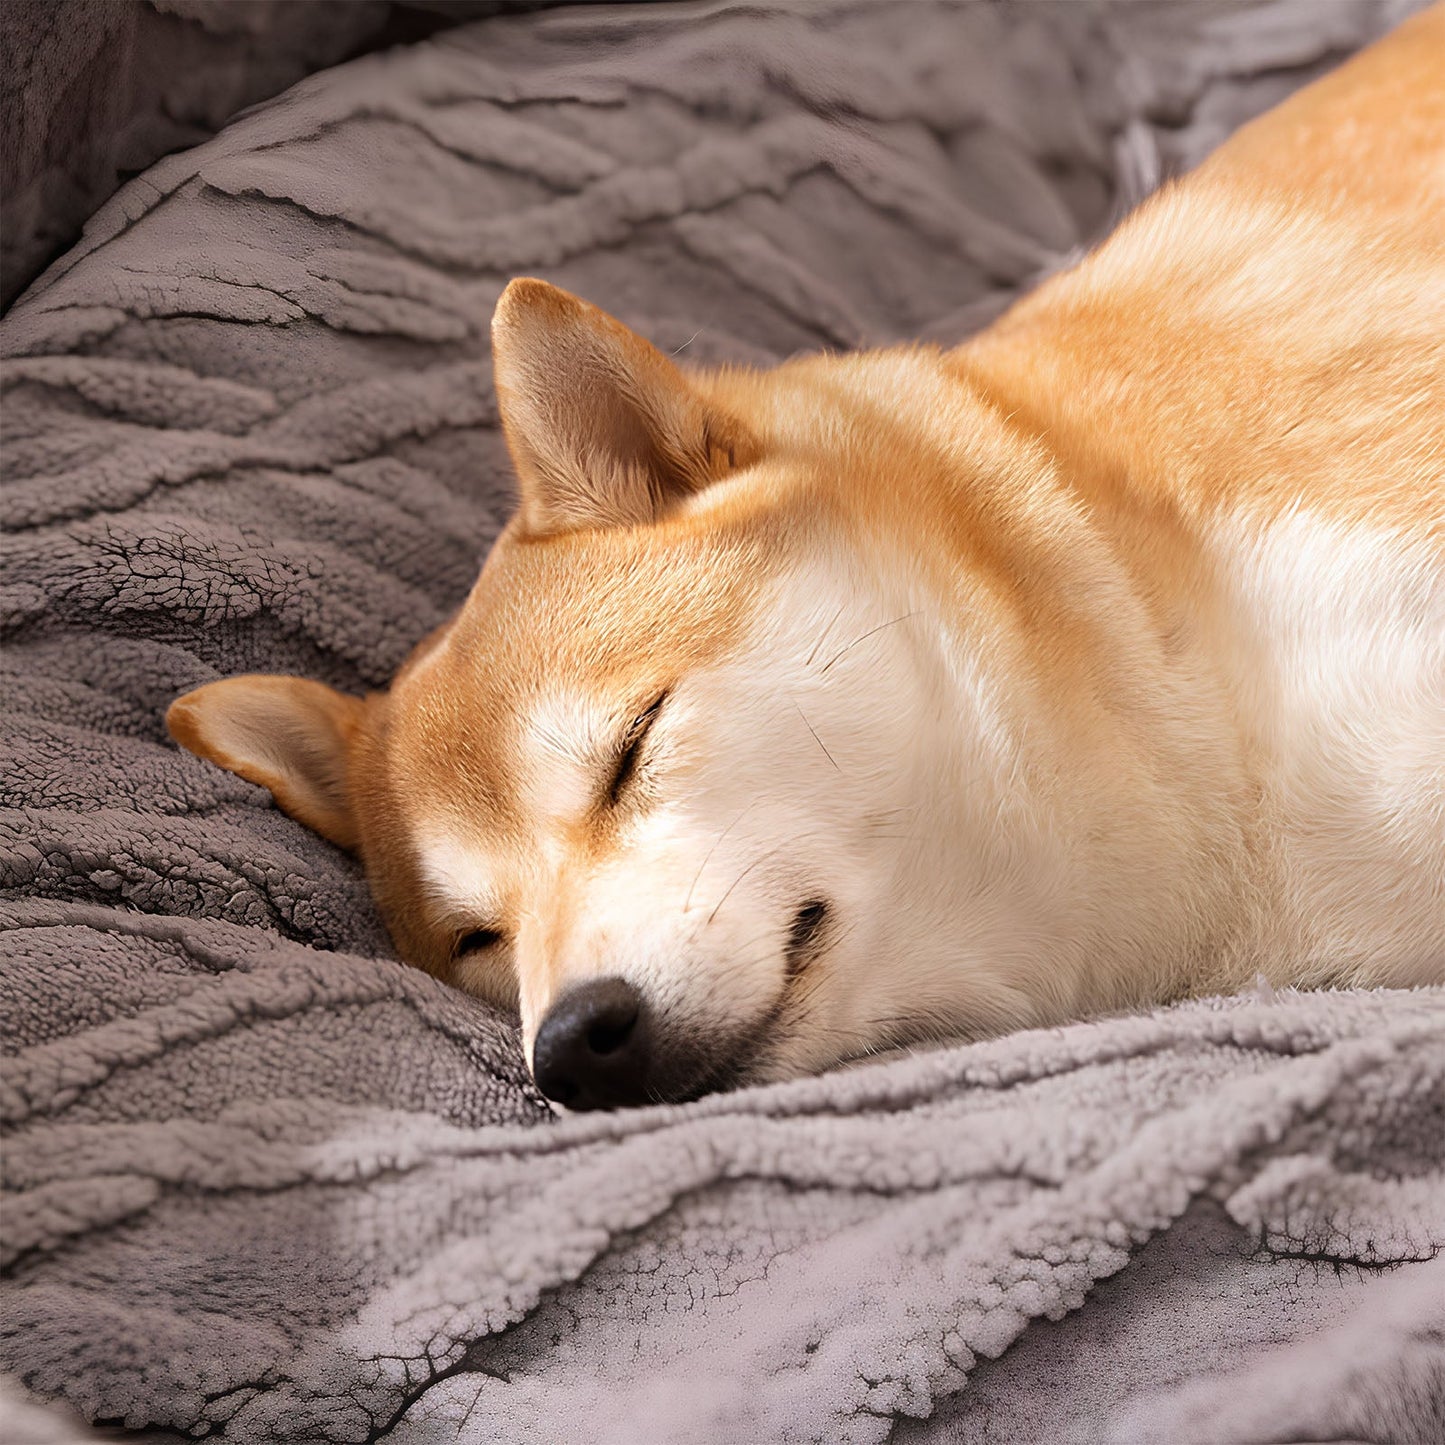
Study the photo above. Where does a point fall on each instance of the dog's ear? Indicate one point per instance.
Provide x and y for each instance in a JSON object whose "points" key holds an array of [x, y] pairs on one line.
{"points": [[285, 733], [604, 430]]}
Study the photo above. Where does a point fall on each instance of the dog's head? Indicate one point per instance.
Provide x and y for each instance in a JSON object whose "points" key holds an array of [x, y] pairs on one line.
{"points": [[677, 780]]}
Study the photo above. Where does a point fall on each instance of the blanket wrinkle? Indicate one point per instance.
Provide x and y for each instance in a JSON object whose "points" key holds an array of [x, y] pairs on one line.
{"points": [[95, 92], [354, 423], [261, 1180]]}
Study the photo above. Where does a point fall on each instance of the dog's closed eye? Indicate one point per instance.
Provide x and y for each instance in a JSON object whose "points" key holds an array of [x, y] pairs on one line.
{"points": [[477, 941], [630, 750]]}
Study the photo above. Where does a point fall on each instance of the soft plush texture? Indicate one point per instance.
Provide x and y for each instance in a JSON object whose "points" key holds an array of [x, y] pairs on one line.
{"points": [[258, 1174], [95, 90]]}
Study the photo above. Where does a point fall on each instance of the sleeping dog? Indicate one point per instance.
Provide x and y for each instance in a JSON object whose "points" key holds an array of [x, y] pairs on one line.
{"points": [[803, 713]]}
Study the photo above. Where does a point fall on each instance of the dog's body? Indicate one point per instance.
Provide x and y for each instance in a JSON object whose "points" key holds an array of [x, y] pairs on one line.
{"points": [[1096, 662]]}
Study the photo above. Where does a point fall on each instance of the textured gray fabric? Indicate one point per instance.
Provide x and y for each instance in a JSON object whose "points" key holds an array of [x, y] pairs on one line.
{"points": [[258, 1175], [95, 90]]}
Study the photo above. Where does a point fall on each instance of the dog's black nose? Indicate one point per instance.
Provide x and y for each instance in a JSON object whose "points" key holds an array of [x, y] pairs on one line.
{"points": [[591, 1050]]}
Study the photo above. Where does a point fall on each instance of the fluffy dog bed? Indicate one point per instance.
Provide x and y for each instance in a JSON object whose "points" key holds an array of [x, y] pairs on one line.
{"points": [[262, 1180]]}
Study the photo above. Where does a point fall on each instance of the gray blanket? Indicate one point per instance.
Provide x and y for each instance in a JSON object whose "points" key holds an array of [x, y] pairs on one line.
{"points": [[260, 1178], [93, 90]]}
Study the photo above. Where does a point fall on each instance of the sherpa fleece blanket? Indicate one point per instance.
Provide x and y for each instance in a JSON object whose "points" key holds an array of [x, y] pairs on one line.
{"points": [[263, 1181]]}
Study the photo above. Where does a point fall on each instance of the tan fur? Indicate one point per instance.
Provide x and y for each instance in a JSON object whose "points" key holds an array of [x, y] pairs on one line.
{"points": [[1096, 662]]}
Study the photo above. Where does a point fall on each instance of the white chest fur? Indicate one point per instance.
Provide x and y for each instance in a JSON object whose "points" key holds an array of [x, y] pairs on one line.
{"points": [[1341, 692]]}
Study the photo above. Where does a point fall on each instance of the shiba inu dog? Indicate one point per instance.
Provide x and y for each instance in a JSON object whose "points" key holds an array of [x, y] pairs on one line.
{"points": [[909, 694]]}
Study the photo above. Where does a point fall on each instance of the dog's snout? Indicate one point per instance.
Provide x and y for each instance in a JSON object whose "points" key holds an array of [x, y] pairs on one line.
{"points": [[592, 1049]]}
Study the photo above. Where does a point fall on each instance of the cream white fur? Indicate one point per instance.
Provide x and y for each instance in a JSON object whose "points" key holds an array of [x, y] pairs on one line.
{"points": [[1342, 698]]}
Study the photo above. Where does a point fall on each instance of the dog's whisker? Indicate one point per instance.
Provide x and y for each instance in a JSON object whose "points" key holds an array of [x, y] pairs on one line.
{"points": [[687, 903], [816, 738], [823, 636], [872, 632], [759, 860]]}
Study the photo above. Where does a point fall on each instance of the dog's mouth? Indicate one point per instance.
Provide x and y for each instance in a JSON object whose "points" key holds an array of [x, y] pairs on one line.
{"points": [[682, 1073], [809, 935]]}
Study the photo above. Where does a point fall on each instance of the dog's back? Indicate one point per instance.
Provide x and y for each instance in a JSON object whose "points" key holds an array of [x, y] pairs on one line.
{"points": [[1248, 383], [1276, 318]]}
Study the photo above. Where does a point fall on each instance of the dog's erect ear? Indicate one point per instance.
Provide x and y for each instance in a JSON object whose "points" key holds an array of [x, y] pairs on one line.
{"points": [[285, 733], [605, 431]]}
